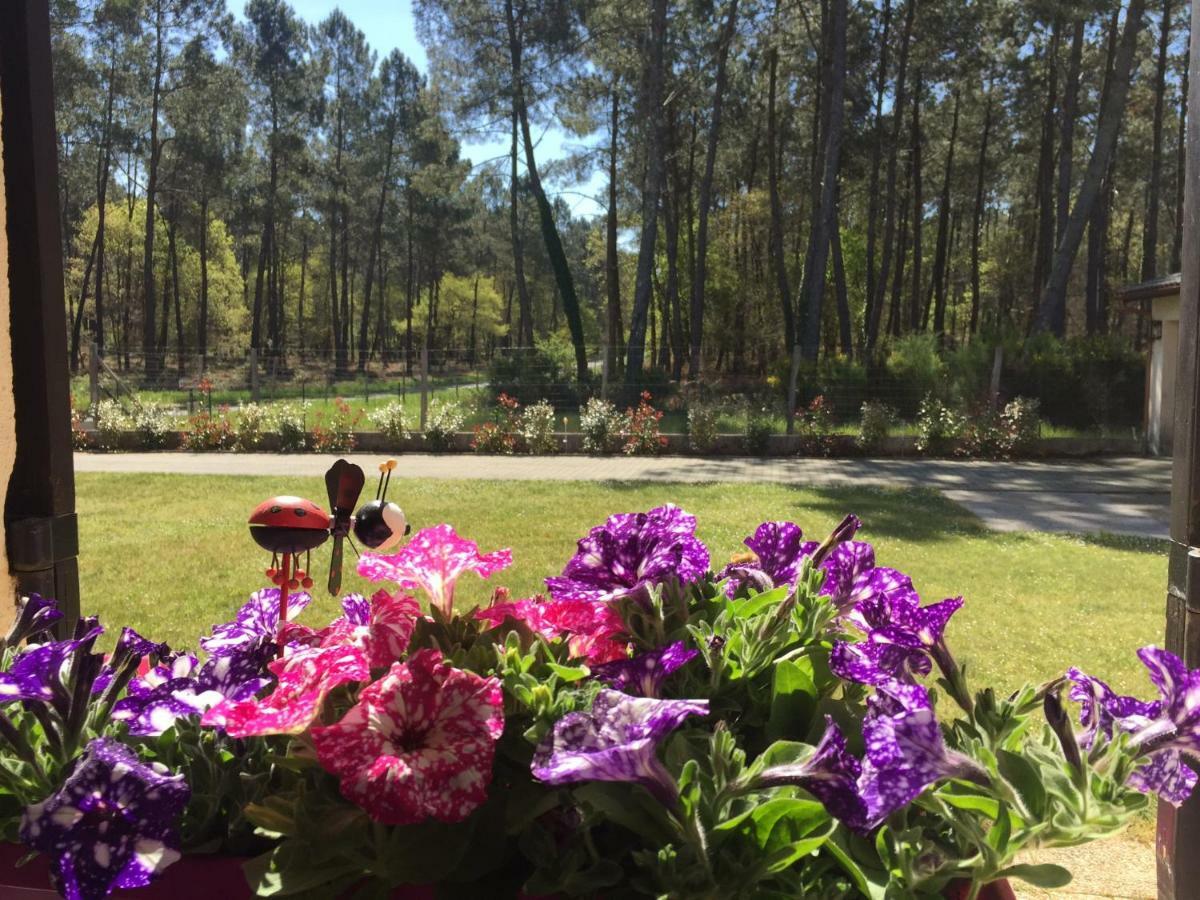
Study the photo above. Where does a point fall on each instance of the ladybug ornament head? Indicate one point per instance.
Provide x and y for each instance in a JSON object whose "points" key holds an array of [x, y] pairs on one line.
{"points": [[289, 524]]}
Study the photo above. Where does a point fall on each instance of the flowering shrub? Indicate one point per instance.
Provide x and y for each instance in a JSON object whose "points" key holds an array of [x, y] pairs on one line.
{"points": [[335, 431], [444, 421], [814, 426], [642, 437], [250, 425], [290, 422], [111, 421], [602, 426], [79, 436], [938, 426], [1000, 433], [759, 428], [877, 420], [204, 432], [391, 420], [537, 428], [153, 424], [765, 729], [702, 426]]}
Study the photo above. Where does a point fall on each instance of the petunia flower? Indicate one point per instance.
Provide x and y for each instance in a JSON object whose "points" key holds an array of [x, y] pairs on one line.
{"points": [[381, 627], [1162, 732], [778, 553], [418, 744], [831, 775], [41, 672], [595, 631], [180, 687], [303, 681], [644, 675], [36, 615], [631, 551], [905, 751], [434, 560], [112, 825], [903, 638], [258, 618], [617, 741]]}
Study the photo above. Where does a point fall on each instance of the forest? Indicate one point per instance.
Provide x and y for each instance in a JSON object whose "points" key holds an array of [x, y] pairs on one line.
{"points": [[779, 178]]}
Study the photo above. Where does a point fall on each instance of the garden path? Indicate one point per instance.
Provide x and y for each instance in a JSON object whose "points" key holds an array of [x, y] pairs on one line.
{"points": [[1127, 495]]}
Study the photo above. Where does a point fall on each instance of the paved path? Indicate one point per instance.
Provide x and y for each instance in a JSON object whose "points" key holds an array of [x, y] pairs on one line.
{"points": [[1121, 495]]}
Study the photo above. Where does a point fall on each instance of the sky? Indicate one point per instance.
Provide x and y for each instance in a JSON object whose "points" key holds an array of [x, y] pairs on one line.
{"points": [[388, 24]]}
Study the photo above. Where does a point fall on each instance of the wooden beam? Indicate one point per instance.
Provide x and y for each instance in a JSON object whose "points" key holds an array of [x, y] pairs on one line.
{"points": [[39, 509], [1179, 829]]}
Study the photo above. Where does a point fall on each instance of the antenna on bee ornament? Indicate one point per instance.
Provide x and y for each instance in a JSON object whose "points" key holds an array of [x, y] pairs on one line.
{"points": [[379, 523]]}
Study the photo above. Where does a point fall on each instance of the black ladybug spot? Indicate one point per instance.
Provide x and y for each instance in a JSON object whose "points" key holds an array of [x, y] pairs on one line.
{"points": [[300, 512], [276, 509]]}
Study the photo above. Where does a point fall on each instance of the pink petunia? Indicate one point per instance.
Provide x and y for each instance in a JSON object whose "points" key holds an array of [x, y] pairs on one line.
{"points": [[419, 744], [594, 630], [304, 679], [434, 560]]}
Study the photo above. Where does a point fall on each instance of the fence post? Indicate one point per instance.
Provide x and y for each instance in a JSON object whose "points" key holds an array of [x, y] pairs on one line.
{"points": [[997, 366], [93, 376], [424, 386], [791, 393], [253, 375]]}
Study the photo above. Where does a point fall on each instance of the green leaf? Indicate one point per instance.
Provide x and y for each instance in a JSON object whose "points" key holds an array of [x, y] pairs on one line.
{"points": [[1025, 779], [793, 699], [568, 673], [788, 828], [756, 604], [1046, 875]]}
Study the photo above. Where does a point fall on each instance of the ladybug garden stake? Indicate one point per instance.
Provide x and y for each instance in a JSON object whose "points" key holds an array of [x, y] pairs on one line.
{"points": [[290, 526]]}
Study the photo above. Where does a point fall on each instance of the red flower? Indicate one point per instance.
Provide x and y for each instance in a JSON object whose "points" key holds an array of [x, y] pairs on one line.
{"points": [[419, 744]]}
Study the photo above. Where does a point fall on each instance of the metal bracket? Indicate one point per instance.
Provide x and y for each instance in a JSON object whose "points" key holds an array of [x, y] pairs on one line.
{"points": [[39, 543]]}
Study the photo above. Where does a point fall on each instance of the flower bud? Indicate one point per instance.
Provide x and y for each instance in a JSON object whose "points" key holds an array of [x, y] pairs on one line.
{"points": [[1060, 722]]}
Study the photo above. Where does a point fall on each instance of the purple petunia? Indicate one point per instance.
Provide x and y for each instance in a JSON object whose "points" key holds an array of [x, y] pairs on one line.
{"points": [[616, 741], [905, 751], [631, 551], [113, 824], [35, 616], [830, 774], [180, 687], [38, 672], [779, 551], [903, 638], [643, 675], [258, 618], [1162, 732]]}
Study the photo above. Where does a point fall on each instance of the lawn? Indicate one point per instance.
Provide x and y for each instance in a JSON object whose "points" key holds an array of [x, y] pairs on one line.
{"points": [[170, 555]]}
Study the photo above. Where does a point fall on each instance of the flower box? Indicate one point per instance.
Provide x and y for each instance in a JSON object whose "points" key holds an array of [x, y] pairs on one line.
{"points": [[653, 725]]}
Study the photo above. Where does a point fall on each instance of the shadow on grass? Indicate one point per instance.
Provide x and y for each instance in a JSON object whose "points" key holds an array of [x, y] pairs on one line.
{"points": [[913, 514], [1134, 543]]}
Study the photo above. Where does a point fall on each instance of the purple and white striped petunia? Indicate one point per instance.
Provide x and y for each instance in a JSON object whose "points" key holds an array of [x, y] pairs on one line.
{"points": [[38, 672], [779, 551], [113, 824], [616, 741], [258, 618], [644, 675], [903, 638], [631, 551], [831, 775], [905, 751]]}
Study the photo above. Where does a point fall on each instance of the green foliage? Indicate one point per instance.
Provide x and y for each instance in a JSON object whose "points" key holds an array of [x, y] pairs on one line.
{"points": [[290, 422], [938, 426], [702, 419], [602, 426], [760, 425], [445, 419], [203, 432], [545, 372], [251, 422], [537, 428], [876, 421], [334, 430], [391, 420]]}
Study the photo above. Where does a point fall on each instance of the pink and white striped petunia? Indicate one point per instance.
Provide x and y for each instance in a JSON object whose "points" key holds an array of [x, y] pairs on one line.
{"points": [[434, 560]]}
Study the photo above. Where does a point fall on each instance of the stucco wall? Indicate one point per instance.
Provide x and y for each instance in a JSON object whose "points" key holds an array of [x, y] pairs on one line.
{"points": [[8, 433]]}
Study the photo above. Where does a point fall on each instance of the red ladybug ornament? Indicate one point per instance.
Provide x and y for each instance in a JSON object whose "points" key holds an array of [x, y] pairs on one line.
{"points": [[289, 525]]}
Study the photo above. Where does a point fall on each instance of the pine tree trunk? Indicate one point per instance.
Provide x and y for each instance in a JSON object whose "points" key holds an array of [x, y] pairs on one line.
{"points": [[1154, 186], [202, 323], [778, 260], [977, 220], [652, 113], [915, 319], [524, 305], [940, 253], [1052, 308], [841, 290], [1044, 242], [1180, 169], [612, 259], [700, 273], [825, 223], [900, 102], [1066, 140], [149, 341], [877, 151]]}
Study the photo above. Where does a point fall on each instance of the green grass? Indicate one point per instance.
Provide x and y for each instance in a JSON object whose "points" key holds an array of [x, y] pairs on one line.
{"points": [[170, 555]]}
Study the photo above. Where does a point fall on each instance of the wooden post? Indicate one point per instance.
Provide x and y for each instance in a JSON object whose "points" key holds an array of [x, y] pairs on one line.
{"points": [[793, 380], [997, 368], [39, 510], [604, 373], [93, 376], [253, 375], [1179, 829], [424, 387]]}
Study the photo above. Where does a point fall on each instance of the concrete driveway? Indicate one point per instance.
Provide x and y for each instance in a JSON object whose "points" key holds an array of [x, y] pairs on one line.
{"points": [[1125, 495]]}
